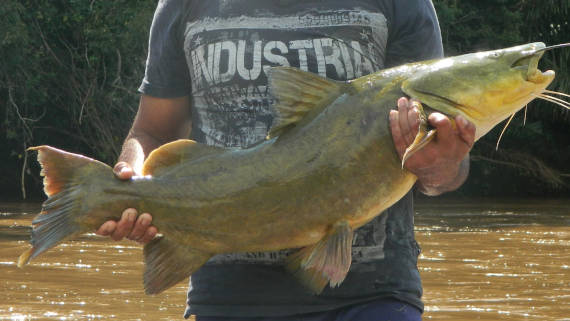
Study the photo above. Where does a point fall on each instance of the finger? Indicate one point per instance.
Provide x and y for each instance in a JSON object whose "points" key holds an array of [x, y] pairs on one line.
{"points": [[125, 225], [107, 228], [123, 171], [397, 138], [405, 126], [142, 223], [148, 235], [414, 119], [445, 133], [466, 130]]}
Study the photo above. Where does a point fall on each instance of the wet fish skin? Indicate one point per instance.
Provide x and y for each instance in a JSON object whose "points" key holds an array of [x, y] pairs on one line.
{"points": [[328, 167]]}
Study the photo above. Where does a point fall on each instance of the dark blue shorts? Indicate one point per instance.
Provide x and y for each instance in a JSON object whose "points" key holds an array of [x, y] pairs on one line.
{"points": [[379, 310]]}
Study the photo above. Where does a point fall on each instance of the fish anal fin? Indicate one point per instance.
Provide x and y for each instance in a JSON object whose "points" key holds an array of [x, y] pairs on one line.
{"points": [[326, 262], [298, 94], [167, 263], [174, 153]]}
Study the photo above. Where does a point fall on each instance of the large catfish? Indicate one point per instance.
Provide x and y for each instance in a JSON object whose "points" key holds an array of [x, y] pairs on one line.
{"points": [[327, 167]]}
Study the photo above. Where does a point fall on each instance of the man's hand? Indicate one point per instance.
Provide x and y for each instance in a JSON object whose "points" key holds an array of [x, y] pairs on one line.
{"points": [[158, 121], [130, 226], [443, 164]]}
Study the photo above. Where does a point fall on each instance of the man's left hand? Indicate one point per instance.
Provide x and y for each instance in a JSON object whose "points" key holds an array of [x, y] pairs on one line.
{"points": [[443, 164]]}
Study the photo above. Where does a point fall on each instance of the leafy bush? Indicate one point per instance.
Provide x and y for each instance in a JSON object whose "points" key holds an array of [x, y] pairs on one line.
{"points": [[69, 74]]}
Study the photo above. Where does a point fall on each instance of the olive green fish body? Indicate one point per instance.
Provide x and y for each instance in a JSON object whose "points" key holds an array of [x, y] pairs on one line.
{"points": [[327, 167], [257, 196]]}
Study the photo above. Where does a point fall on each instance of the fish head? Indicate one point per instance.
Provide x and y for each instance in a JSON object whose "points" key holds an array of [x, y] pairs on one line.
{"points": [[484, 87]]}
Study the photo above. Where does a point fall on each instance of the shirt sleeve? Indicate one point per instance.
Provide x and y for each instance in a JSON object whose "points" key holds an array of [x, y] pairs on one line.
{"points": [[414, 33], [166, 73]]}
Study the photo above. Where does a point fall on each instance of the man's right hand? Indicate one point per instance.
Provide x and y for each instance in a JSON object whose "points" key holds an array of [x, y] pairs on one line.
{"points": [[131, 225], [158, 121]]}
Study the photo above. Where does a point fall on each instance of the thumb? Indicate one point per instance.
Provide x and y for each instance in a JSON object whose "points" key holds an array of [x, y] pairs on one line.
{"points": [[123, 171]]}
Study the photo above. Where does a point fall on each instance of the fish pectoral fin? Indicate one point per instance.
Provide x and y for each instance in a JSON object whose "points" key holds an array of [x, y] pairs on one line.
{"points": [[167, 263], [326, 262], [300, 95], [174, 153], [423, 137], [421, 140]]}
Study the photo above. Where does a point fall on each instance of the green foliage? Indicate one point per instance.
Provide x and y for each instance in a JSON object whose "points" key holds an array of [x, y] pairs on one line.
{"points": [[532, 159], [478, 25], [69, 73]]}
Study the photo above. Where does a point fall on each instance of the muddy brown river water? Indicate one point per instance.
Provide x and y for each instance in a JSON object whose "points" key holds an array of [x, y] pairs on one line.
{"points": [[481, 260]]}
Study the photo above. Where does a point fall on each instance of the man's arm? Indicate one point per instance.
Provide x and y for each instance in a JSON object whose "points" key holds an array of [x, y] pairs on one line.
{"points": [[442, 165], [158, 121]]}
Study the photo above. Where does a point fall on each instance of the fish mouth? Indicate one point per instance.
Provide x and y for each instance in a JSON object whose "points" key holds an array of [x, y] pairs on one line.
{"points": [[528, 65], [530, 62]]}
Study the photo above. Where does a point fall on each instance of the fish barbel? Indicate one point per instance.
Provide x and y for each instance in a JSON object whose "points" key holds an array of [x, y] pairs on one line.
{"points": [[327, 167]]}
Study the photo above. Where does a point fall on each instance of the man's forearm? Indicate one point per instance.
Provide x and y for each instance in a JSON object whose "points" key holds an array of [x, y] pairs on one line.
{"points": [[136, 148], [437, 188]]}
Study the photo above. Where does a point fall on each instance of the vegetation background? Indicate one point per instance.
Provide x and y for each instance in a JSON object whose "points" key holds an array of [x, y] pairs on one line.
{"points": [[69, 70]]}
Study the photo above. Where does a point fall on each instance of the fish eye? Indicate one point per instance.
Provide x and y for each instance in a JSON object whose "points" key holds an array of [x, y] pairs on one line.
{"points": [[497, 54]]}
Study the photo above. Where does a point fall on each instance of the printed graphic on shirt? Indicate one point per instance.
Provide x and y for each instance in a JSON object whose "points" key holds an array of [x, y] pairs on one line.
{"points": [[229, 59]]}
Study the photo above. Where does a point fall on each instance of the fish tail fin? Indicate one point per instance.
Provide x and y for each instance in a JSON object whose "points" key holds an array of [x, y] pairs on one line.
{"points": [[167, 263], [326, 262], [59, 218]]}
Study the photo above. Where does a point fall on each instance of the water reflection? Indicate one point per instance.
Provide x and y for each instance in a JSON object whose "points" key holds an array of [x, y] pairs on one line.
{"points": [[481, 260], [495, 260]]}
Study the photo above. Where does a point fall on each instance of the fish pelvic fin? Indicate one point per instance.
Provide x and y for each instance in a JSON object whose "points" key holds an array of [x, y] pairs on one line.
{"points": [[326, 262], [175, 153], [61, 213], [300, 95], [167, 263]]}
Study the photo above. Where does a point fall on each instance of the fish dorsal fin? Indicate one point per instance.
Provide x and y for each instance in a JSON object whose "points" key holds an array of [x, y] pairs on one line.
{"points": [[300, 94], [175, 153]]}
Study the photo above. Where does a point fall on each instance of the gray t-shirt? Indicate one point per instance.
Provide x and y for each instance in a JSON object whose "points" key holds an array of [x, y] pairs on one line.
{"points": [[218, 52]]}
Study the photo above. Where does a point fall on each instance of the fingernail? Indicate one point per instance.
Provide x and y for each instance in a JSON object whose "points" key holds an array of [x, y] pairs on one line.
{"points": [[401, 103], [462, 121], [415, 111], [416, 122], [129, 215], [438, 117], [145, 221], [106, 230]]}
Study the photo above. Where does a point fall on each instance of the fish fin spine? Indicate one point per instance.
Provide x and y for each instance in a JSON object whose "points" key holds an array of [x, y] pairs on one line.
{"points": [[423, 137], [326, 262], [299, 93], [167, 263], [59, 218]]}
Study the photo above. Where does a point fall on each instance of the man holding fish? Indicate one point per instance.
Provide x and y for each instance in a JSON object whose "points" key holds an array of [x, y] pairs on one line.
{"points": [[206, 77]]}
